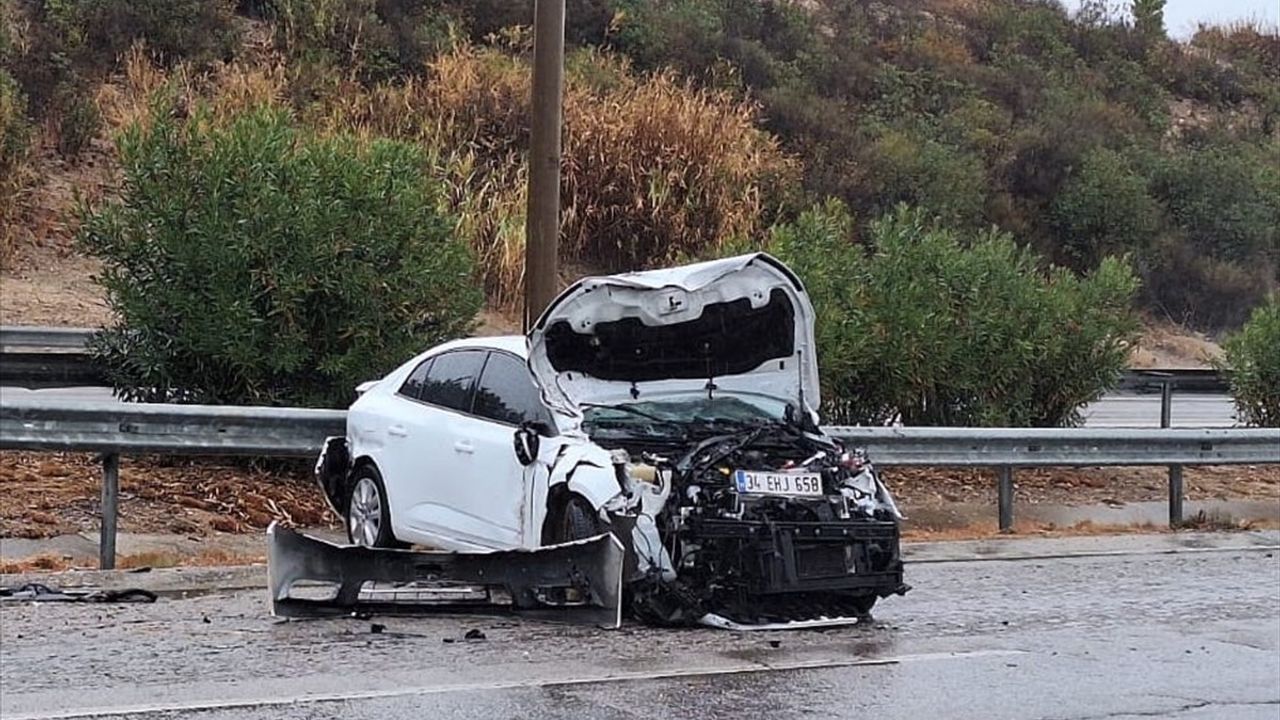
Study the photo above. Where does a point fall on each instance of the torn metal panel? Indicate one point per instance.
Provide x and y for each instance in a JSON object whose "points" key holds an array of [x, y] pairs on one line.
{"points": [[528, 581]]}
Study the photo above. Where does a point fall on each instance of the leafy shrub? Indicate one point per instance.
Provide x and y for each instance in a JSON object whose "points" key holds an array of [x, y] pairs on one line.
{"points": [[374, 39], [99, 31], [15, 135], [1190, 287], [258, 263], [1226, 197], [1104, 209], [933, 327], [78, 124], [1253, 363]]}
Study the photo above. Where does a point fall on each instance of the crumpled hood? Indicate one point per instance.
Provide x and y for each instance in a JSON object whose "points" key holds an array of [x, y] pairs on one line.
{"points": [[738, 325]]}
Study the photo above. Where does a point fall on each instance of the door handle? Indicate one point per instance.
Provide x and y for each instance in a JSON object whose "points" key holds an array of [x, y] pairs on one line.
{"points": [[397, 431], [464, 446]]}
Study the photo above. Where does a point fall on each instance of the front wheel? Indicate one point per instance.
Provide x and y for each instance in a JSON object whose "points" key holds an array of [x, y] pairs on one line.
{"points": [[577, 521], [368, 518]]}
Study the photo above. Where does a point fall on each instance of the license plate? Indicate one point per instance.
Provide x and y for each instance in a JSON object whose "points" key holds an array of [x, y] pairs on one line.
{"points": [[774, 483]]}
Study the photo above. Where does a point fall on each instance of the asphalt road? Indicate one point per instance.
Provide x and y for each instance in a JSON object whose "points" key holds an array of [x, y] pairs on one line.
{"points": [[1189, 636], [1117, 410]]}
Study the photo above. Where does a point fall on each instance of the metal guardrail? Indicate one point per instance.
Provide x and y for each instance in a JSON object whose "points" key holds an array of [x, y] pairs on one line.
{"points": [[141, 428], [36, 357], [42, 337], [1063, 447], [1188, 381], [114, 429]]}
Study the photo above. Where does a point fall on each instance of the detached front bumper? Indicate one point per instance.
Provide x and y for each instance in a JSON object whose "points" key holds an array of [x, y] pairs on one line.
{"points": [[848, 557]]}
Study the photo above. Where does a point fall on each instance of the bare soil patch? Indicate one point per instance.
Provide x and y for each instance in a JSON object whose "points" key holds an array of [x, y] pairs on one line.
{"points": [[1170, 347], [43, 495], [1082, 486]]}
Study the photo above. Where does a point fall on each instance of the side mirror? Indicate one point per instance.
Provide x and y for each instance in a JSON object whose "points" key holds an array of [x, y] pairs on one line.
{"points": [[527, 441]]}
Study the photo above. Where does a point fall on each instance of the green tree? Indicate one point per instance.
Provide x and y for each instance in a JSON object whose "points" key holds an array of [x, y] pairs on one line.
{"points": [[1148, 19], [1253, 365], [256, 263]]}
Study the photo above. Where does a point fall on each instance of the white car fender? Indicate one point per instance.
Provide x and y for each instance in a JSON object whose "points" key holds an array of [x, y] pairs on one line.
{"points": [[588, 470]]}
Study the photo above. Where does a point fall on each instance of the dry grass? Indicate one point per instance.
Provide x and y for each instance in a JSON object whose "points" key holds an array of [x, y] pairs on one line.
{"points": [[227, 90], [653, 168]]}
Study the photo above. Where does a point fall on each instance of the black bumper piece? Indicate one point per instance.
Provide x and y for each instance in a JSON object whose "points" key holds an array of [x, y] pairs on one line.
{"points": [[770, 557]]}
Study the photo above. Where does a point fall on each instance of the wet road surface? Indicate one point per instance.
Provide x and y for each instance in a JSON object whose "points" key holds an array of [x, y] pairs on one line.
{"points": [[1192, 635]]}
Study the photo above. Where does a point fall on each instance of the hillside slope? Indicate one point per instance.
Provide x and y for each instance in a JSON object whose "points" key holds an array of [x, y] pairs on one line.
{"points": [[1083, 135]]}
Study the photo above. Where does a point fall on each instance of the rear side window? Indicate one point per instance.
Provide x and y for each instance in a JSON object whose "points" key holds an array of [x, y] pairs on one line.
{"points": [[417, 380], [506, 392], [450, 378]]}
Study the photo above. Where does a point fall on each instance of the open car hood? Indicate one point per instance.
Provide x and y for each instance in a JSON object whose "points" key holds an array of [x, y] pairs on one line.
{"points": [[738, 325]]}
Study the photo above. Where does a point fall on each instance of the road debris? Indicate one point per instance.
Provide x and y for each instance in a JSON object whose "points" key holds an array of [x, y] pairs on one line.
{"points": [[36, 592]]}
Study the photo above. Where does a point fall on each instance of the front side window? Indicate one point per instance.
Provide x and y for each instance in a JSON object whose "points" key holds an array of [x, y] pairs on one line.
{"points": [[506, 392], [450, 378]]}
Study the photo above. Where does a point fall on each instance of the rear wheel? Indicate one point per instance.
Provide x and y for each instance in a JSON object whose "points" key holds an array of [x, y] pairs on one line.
{"points": [[368, 518]]}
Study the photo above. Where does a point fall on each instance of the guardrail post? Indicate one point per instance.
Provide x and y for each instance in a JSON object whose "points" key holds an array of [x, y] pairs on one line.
{"points": [[1004, 487], [110, 508], [1175, 471], [1175, 496]]}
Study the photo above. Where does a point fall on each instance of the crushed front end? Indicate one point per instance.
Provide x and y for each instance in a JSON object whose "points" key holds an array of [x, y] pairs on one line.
{"points": [[764, 525]]}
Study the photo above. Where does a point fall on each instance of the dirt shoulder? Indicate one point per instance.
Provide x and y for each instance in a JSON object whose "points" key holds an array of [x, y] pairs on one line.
{"points": [[48, 494]]}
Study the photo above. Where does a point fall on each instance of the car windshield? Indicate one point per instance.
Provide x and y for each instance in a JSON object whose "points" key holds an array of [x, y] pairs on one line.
{"points": [[676, 415]]}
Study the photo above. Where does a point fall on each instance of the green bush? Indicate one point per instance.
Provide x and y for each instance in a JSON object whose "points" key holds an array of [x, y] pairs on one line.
{"points": [[1226, 196], [15, 132], [99, 31], [374, 39], [15, 139], [78, 124], [1104, 209], [257, 263], [1253, 365], [933, 327], [1194, 289]]}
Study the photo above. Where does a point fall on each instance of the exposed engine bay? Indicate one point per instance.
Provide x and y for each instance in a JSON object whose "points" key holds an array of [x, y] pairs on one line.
{"points": [[750, 524]]}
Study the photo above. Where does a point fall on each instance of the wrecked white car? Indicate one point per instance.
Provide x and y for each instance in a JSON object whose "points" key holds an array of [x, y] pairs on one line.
{"points": [[674, 409]]}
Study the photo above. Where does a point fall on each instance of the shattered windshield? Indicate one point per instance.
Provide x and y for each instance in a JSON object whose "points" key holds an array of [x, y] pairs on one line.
{"points": [[680, 415]]}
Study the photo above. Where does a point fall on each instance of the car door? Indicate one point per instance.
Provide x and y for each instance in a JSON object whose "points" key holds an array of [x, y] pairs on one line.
{"points": [[492, 501], [431, 450], [378, 424]]}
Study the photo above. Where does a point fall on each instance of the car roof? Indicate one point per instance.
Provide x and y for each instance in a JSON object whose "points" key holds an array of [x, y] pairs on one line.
{"points": [[514, 344]]}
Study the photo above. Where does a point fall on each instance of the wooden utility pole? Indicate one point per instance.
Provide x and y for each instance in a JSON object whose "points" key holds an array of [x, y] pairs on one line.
{"points": [[542, 224]]}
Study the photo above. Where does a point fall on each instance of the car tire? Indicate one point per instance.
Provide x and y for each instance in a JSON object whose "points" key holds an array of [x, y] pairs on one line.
{"points": [[368, 519], [577, 520]]}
